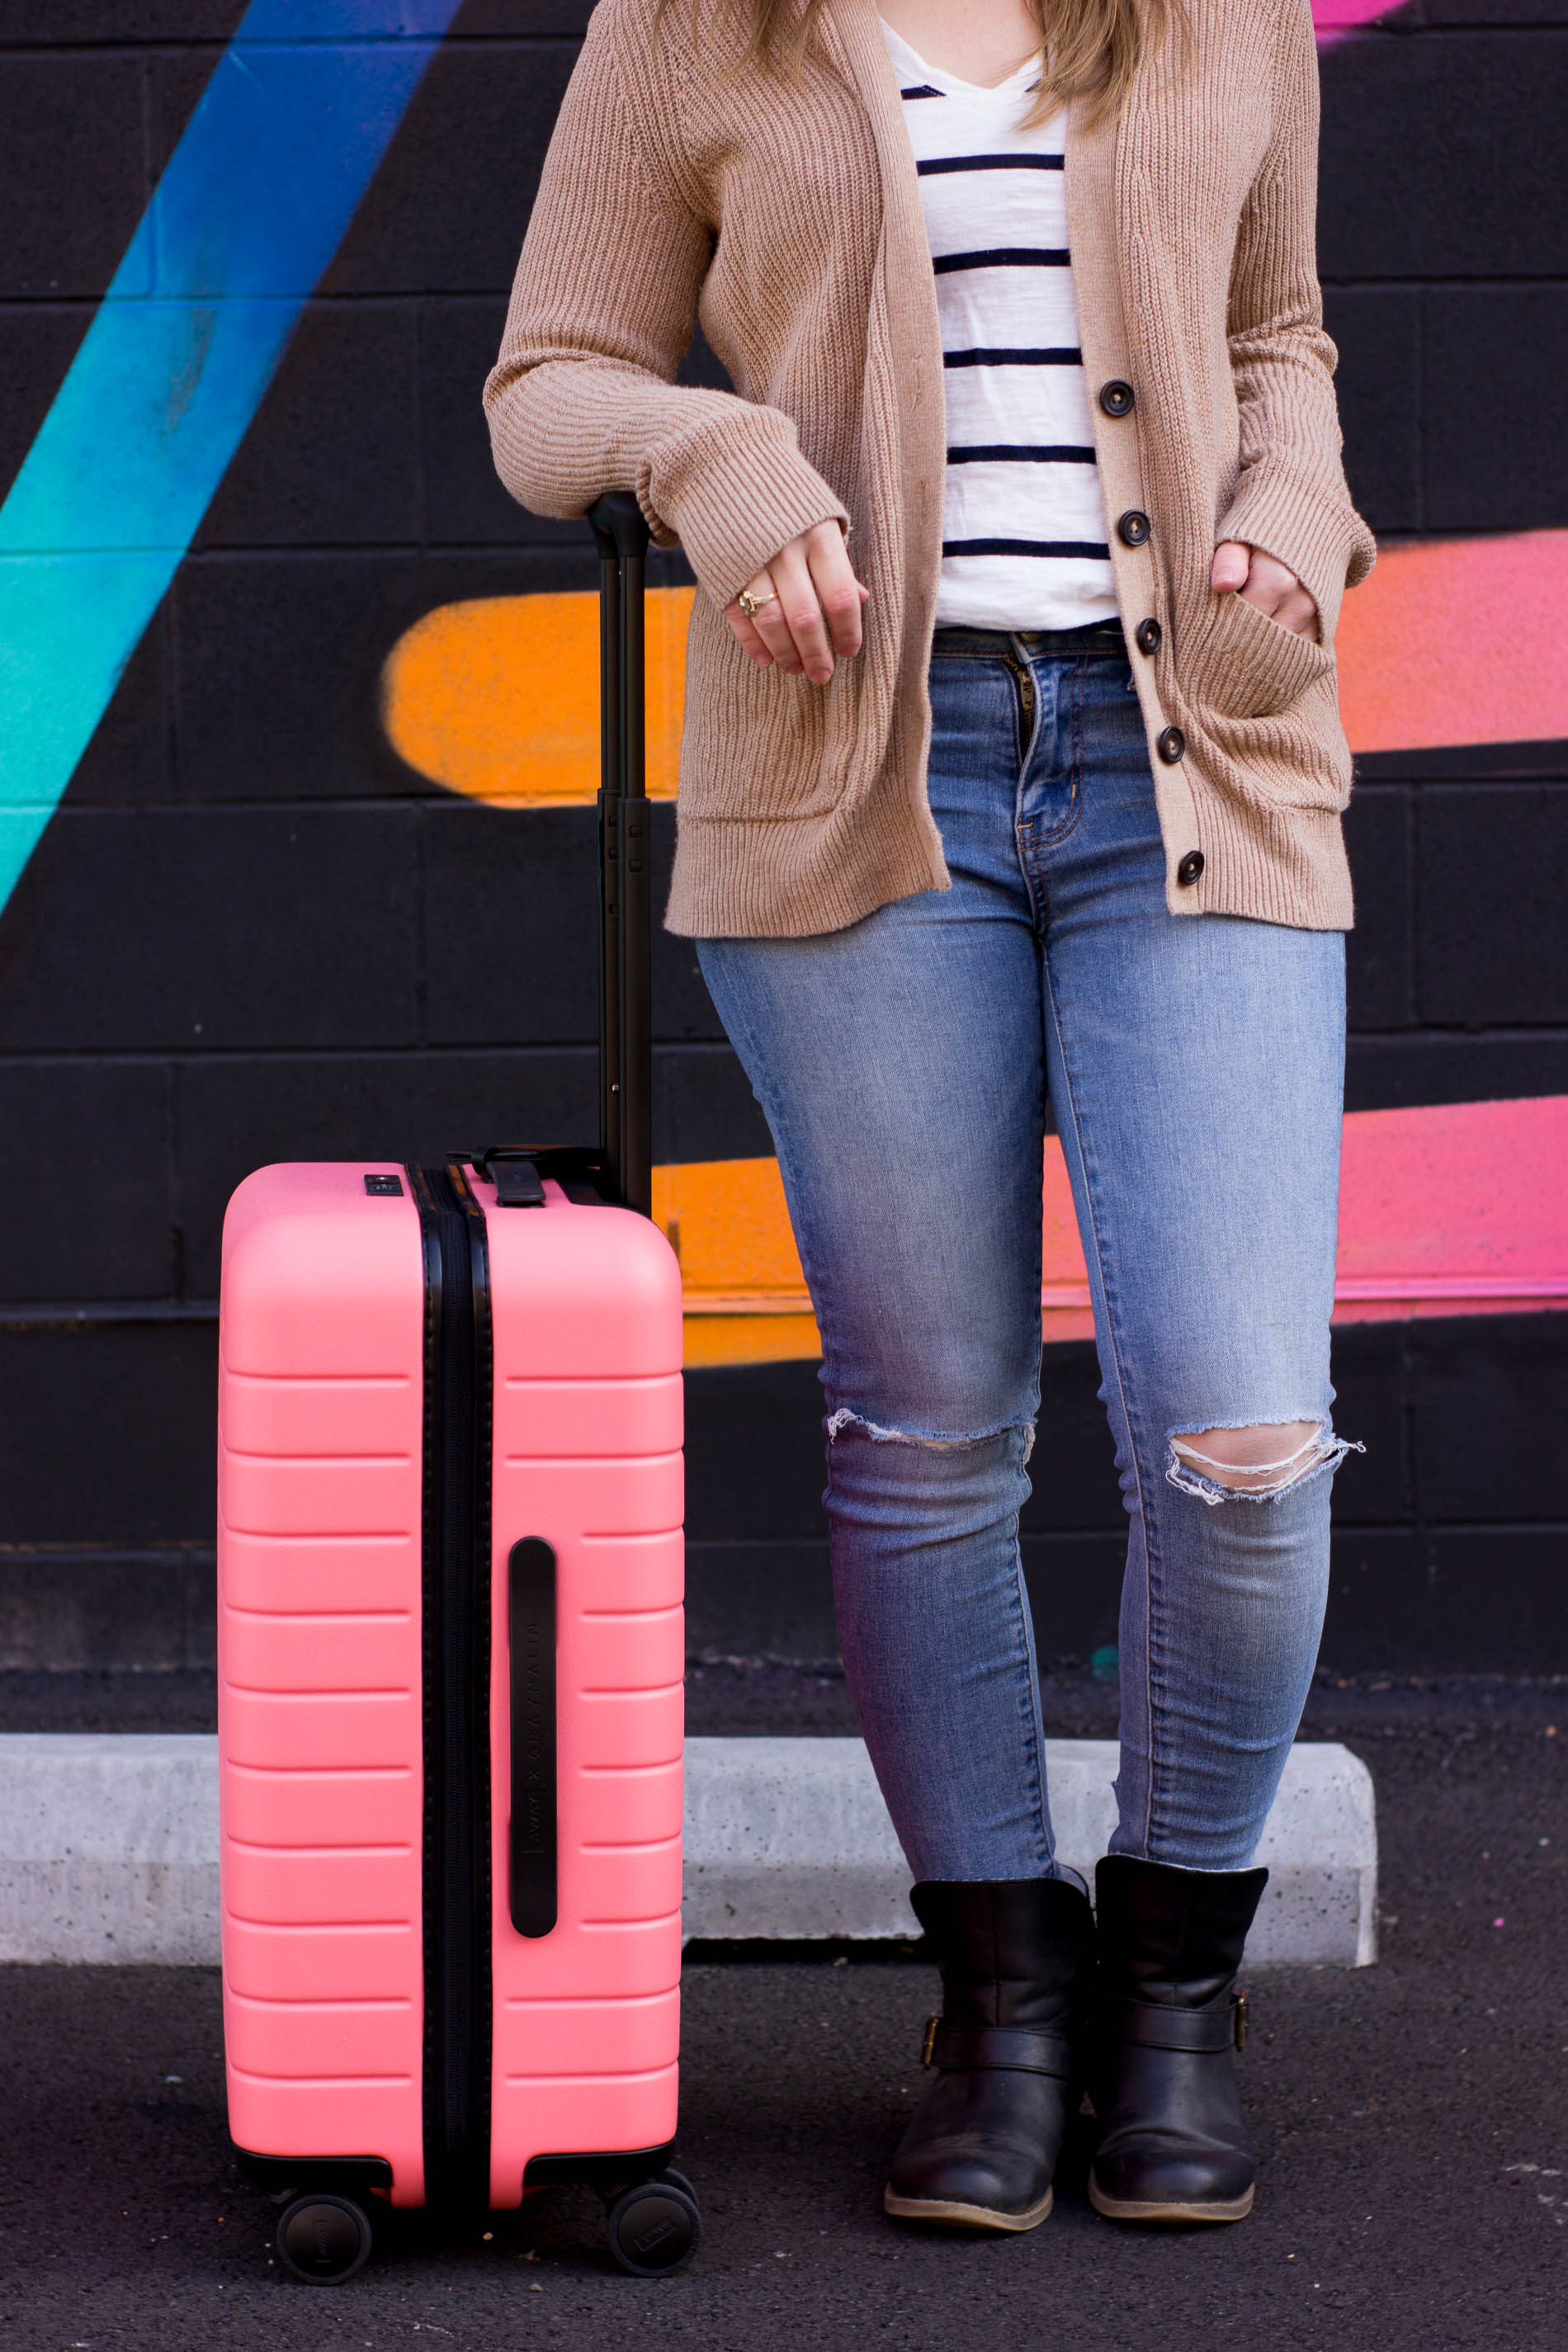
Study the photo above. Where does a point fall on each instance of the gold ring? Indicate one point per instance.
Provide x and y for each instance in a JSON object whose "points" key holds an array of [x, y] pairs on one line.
{"points": [[751, 605]]}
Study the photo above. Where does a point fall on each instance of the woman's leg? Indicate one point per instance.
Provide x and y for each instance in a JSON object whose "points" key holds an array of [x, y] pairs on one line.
{"points": [[1196, 1070], [900, 1064]]}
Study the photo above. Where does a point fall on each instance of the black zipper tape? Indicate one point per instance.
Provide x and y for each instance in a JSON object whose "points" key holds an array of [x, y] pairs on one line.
{"points": [[456, 1611]]}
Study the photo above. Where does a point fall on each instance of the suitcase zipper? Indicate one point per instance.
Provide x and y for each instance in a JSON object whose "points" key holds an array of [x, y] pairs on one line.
{"points": [[456, 1606]]}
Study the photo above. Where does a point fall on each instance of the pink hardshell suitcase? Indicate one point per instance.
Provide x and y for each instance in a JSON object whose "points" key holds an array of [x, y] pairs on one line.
{"points": [[451, 1645]]}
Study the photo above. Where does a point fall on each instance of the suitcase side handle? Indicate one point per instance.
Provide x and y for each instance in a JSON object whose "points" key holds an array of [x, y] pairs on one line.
{"points": [[532, 1899], [626, 1046]]}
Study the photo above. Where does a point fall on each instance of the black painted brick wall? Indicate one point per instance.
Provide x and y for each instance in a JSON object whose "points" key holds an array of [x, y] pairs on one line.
{"points": [[251, 934]]}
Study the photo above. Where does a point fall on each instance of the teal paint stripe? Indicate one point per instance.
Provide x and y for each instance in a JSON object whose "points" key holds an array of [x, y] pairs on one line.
{"points": [[251, 209]]}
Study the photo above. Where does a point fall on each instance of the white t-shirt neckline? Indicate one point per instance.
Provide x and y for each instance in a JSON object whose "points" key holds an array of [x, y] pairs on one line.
{"points": [[998, 94], [1025, 543]]}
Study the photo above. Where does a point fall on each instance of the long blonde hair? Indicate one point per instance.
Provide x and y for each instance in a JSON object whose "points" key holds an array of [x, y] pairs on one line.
{"points": [[1088, 48]]}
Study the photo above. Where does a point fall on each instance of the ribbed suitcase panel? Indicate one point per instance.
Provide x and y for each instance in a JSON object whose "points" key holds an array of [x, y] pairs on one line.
{"points": [[302, 1808], [288, 1963], [587, 1342], [321, 1441], [305, 1575], [306, 1728], [599, 2038], [310, 1886], [267, 2039], [637, 1807], [299, 1652], [566, 1418]]}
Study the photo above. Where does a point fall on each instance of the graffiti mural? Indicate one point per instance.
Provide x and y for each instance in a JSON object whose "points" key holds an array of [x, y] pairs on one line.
{"points": [[250, 212], [300, 735]]}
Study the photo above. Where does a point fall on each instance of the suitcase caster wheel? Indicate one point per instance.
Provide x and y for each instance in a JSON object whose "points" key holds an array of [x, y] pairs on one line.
{"points": [[655, 2228], [323, 2239]]}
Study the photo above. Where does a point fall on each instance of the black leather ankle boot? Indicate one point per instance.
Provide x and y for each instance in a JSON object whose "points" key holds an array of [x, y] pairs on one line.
{"points": [[1016, 1958], [1168, 2024]]}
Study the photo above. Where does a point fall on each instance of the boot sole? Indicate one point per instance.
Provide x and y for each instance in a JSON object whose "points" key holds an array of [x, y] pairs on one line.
{"points": [[1124, 2209], [965, 2217]]}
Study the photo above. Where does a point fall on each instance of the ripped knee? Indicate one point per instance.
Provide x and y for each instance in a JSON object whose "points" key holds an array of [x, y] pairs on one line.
{"points": [[1258, 1461], [845, 1418]]}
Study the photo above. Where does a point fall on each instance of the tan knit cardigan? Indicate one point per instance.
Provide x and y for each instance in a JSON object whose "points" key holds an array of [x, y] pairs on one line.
{"points": [[786, 216]]}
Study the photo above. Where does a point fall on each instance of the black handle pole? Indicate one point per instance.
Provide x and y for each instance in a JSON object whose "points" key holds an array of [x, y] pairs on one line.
{"points": [[609, 839], [626, 1068]]}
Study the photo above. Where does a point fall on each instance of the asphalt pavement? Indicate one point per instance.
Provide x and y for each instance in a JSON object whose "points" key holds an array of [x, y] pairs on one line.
{"points": [[1411, 2120]]}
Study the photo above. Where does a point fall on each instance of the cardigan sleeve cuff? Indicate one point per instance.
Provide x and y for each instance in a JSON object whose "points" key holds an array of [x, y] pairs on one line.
{"points": [[1323, 540], [736, 491]]}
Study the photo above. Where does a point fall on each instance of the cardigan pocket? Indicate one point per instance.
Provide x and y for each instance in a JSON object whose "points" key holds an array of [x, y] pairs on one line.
{"points": [[1242, 664], [758, 747]]}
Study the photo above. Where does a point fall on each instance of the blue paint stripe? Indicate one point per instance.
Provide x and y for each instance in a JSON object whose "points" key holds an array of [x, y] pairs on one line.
{"points": [[251, 209]]}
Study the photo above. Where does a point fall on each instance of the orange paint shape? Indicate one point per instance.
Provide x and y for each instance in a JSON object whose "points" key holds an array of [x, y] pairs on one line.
{"points": [[1460, 1209], [746, 1300], [1457, 641], [728, 1222], [499, 697]]}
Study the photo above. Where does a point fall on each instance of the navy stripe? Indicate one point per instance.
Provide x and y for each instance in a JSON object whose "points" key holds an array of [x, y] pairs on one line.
{"points": [[987, 358], [1021, 454], [935, 164], [925, 90], [1067, 547], [1004, 256]]}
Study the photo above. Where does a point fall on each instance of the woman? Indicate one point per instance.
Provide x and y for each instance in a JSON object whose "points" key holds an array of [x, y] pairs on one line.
{"points": [[1023, 321]]}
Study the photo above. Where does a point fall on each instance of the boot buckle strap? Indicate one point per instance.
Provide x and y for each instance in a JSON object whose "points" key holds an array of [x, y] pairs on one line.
{"points": [[1203, 2032], [986, 2049]]}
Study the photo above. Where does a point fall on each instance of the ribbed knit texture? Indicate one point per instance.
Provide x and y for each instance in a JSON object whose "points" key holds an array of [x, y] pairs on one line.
{"points": [[789, 213]]}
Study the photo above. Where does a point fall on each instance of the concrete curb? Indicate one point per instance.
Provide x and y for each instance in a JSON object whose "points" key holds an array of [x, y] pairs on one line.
{"points": [[790, 1838], [109, 1846]]}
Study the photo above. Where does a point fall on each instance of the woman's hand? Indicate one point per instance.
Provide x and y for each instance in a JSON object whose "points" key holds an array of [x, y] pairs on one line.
{"points": [[809, 607], [1271, 586]]}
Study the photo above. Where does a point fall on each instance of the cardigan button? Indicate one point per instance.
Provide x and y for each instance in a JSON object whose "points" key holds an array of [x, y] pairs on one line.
{"points": [[1148, 636], [1116, 397], [1170, 744], [1133, 528], [1191, 867]]}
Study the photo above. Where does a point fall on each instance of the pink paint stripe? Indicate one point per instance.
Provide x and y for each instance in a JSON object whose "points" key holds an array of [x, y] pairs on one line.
{"points": [[1335, 18], [1466, 1199], [1457, 641], [1457, 1209]]}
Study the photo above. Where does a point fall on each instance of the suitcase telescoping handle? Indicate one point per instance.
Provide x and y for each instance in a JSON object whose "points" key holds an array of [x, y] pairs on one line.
{"points": [[626, 1050]]}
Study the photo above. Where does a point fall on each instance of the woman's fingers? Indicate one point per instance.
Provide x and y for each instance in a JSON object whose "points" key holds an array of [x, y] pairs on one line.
{"points": [[838, 593], [1231, 559], [1268, 582], [1265, 581], [799, 611], [746, 632], [1297, 611], [764, 633], [809, 607], [770, 621]]}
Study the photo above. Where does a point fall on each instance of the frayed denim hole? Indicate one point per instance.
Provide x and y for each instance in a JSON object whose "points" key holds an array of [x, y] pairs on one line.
{"points": [[846, 1418], [1323, 1451]]}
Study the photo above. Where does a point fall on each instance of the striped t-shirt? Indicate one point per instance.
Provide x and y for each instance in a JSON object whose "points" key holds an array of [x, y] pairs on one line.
{"points": [[1024, 535]]}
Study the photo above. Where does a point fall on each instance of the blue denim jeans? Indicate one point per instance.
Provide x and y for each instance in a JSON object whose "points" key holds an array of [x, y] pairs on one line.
{"points": [[1195, 1068]]}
